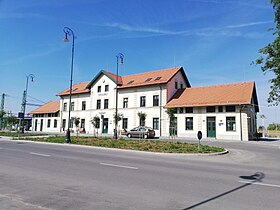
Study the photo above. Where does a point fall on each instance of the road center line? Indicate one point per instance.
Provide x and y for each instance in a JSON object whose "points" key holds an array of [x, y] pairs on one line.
{"points": [[119, 166], [38, 154], [259, 183]]}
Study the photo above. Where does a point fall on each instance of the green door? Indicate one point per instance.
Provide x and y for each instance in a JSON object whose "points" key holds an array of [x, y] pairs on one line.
{"points": [[211, 127], [105, 125]]}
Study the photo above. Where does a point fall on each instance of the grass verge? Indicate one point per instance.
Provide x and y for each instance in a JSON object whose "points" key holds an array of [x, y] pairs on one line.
{"points": [[16, 134], [141, 145]]}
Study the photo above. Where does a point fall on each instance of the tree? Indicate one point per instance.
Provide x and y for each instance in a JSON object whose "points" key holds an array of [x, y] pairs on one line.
{"points": [[273, 126], [270, 61], [11, 121], [170, 112], [119, 118], [142, 117], [76, 121], [2, 114], [95, 121]]}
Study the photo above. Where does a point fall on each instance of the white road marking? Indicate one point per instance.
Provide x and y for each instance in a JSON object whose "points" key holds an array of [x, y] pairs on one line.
{"points": [[119, 166], [259, 183], [38, 154]]}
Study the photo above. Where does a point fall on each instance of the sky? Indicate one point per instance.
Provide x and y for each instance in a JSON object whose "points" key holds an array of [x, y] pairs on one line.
{"points": [[215, 41]]}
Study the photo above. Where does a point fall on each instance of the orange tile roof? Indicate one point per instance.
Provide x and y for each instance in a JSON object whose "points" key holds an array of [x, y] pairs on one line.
{"points": [[76, 89], [150, 78], [50, 107], [228, 94], [114, 77]]}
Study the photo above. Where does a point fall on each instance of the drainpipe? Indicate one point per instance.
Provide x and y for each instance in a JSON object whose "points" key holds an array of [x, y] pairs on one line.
{"points": [[160, 109], [241, 122]]}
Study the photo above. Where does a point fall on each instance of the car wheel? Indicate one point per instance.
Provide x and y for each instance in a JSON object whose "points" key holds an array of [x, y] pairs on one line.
{"points": [[129, 135], [145, 136]]}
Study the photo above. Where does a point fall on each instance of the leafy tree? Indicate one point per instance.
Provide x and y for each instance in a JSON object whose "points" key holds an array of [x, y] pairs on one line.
{"points": [[273, 126], [170, 112], [11, 121], [95, 121], [119, 118], [270, 61], [76, 121], [2, 114], [142, 117]]}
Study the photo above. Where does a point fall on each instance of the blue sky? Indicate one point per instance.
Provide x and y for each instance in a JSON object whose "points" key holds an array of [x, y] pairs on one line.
{"points": [[214, 40]]}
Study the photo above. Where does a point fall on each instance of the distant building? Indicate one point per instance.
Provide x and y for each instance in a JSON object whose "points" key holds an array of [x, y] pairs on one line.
{"points": [[220, 111]]}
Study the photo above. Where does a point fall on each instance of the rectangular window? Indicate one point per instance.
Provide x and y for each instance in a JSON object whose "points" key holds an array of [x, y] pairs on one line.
{"points": [[106, 88], [124, 123], [64, 106], [156, 123], [189, 109], [83, 123], [189, 123], [181, 85], [98, 104], [99, 89], [142, 101], [83, 105], [230, 108], [231, 124], [176, 85], [210, 109], [72, 106], [106, 103], [181, 110], [221, 108], [55, 124], [125, 102], [155, 100], [63, 123], [49, 123]]}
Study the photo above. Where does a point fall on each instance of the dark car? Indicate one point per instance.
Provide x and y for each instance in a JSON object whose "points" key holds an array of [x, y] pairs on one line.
{"points": [[141, 132]]}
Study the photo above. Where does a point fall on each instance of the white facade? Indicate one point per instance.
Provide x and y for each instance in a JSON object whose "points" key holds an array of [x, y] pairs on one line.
{"points": [[100, 102]]}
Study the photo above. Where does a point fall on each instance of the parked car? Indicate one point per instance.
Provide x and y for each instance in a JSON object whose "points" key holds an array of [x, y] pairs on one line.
{"points": [[141, 132]]}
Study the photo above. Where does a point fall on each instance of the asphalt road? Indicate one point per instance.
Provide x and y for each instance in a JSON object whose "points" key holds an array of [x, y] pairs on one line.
{"points": [[49, 176]]}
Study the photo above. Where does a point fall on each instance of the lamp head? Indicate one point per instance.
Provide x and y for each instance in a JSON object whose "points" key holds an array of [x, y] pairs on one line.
{"points": [[121, 57], [66, 38]]}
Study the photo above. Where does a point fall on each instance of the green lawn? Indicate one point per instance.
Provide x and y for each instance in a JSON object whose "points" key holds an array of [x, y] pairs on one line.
{"points": [[141, 145], [15, 134]]}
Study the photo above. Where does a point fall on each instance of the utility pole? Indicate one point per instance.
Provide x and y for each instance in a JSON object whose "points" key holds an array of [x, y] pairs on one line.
{"points": [[2, 110]]}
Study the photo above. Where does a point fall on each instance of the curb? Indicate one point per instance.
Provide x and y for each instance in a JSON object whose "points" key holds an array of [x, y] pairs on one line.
{"points": [[117, 149]]}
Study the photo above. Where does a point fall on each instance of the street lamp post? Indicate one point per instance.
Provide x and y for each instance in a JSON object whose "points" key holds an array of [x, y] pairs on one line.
{"points": [[32, 76], [68, 31], [120, 58]]}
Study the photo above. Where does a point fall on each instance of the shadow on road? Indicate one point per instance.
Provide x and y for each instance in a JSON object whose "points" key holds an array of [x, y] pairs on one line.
{"points": [[257, 177]]}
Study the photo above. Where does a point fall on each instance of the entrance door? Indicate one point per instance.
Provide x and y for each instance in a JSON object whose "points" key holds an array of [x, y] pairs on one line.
{"points": [[36, 122], [211, 127], [41, 126], [105, 125]]}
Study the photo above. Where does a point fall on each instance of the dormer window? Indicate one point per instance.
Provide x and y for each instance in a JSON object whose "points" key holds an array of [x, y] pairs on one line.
{"points": [[149, 79], [158, 78]]}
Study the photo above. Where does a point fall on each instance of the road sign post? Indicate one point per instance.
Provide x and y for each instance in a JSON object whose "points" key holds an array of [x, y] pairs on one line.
{"points": [[199, 136]]}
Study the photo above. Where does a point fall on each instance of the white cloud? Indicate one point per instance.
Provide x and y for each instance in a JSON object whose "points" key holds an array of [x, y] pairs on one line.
{"points": [[248, 24]]}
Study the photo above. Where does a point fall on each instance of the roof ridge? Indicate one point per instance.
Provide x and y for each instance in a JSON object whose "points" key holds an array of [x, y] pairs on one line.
{"points": [[166, 69], [219, 85]]}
